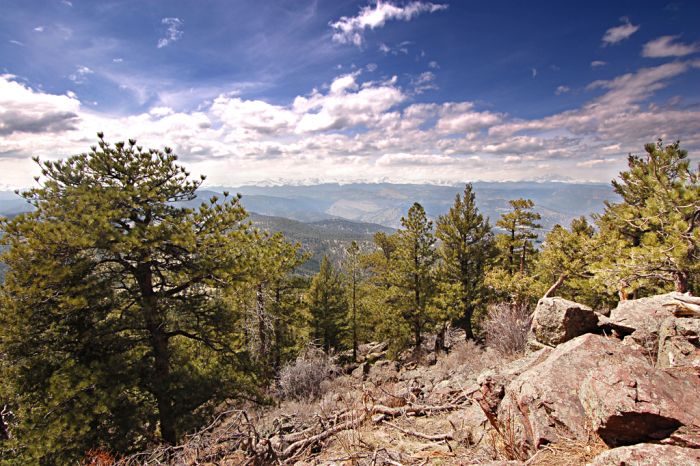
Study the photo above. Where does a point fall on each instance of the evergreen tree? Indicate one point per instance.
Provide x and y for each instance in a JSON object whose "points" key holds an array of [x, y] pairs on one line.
{"points": [[520, 225], [327, 306], [113, 330], [563, 264], [412, 270], [466, 246], [652, 237], [511, 276], [354, 278]]}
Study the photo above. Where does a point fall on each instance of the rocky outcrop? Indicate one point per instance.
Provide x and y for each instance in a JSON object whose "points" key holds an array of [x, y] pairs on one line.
{"points": [[544, 399], [557, 320], [679, 343], [493, 382], [647, 454], [636, 402]]}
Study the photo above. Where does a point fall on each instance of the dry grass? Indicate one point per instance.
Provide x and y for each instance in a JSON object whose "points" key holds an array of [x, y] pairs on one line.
{"points": [[569, 452], [303, 378], [506, 327]]}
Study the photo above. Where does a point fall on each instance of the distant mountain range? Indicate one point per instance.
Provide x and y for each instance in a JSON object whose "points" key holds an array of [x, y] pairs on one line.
{"points": [[324, 218], [385, 203]]}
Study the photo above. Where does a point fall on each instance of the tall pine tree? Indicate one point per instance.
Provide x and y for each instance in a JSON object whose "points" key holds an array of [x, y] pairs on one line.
{"points": [[466, 246], [113, 329], [328, 307]]}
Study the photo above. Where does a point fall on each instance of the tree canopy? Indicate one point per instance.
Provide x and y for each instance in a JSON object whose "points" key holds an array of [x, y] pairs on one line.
{"points": [[114, 331]]}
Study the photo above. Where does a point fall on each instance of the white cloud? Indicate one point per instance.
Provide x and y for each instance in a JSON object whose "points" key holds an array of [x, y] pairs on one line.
{"points": [[79, 76], [666, 46], [562, 90], [67, 3], [16, 42], [424, 82], [598, 63], [619, 33], [534, 72], [358, 129], [173, 31], [371, 67], [595, 163], [350, 30], [434, 65], [117, 60], [39, 29]]}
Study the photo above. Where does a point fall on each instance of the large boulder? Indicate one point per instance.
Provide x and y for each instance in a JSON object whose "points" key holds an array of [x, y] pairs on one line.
{"points": [[557, 320], [542, 403], [679, 343], [636, 402], [647, 454], [492, 383]]}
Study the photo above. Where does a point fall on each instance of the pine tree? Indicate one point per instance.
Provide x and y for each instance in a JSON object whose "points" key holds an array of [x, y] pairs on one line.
{"points": [[652, 237], [511, 276], [412, 272], [113, 328], [520, 225], [354, 278], [327, 306], [466, 247], [563, 264]]}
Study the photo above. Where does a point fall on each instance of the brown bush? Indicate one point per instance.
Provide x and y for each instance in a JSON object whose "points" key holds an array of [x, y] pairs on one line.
{"points": [[301, 379], [506, 327]]}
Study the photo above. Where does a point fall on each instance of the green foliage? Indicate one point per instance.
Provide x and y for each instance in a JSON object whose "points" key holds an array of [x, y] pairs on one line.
{"points": [[327, 304], [412, 270], [563, 264], [650, 240], [465, 249], [114, 330], [516, 245], [511, 276]]}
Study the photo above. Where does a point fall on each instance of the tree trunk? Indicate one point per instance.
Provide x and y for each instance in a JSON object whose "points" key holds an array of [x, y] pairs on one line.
{"points": [[468, 331], [556, 285], [354, 317], [159, 340], [681, 281]]}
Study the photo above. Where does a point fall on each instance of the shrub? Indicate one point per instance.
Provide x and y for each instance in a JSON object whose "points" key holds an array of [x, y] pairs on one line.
{"points": [[506, 327], [301, 379]]}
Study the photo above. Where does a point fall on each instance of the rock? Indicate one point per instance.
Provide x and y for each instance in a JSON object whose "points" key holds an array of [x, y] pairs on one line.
{"points": [[557, 320], [645, 314], [492, 383], [647, 454], [679, 342], [686, 436], [636, 402], [543, 401], [360, 371]]}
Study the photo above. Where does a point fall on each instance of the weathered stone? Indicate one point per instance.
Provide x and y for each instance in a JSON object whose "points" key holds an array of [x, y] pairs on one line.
{"points": [[493, 382], [636, 402], [543, 401], [644, 314], [557, 320], [679, 342], [647, 454]]}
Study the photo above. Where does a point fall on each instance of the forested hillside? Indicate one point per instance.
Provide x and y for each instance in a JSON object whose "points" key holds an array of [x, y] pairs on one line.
{"points": [[134, 310]]}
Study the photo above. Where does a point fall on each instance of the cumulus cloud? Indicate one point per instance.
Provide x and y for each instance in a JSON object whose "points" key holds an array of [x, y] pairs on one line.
{"points": [[619, 33], [361, 128], [23, 110], [39, 29], [424, 82], [666, 46], [598, 63], [350, 29], [173, 31], [79, 76]]}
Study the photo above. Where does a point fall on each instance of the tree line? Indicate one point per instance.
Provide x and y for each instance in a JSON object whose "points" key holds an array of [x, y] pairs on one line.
{"points": [[126, 320]]}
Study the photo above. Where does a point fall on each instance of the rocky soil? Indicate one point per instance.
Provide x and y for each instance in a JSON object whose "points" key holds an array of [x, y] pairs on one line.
{"points": [[617, 389]]}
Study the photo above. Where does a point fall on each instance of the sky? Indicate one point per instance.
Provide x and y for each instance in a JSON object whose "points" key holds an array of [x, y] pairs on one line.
{"points": [[304, 91]]}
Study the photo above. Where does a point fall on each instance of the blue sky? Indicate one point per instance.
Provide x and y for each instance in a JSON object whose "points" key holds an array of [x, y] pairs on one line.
{"points": [[304, 91]]}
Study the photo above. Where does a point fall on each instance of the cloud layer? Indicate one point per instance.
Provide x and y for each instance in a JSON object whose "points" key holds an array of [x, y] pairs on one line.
{"points": [[355, 128], [350, 30]]}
